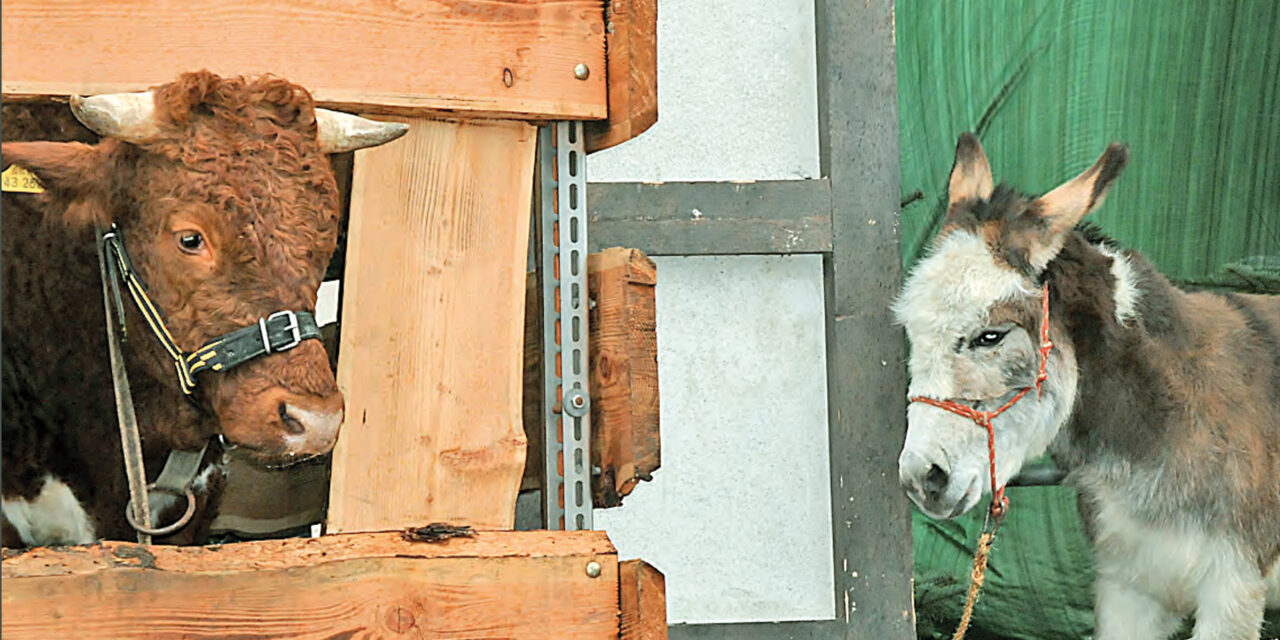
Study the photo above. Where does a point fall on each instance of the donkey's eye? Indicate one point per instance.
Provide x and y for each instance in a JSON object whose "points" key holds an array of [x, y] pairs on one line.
{"points": [[988, 338], [190, 241]]}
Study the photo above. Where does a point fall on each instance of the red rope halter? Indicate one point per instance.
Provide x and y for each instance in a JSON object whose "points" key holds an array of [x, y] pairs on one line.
{"points": [[1000, 503]]}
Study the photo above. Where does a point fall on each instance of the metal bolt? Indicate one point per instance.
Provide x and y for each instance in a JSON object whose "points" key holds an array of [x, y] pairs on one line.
{"points": [[593, 569], [578, 402], [582, 71]]}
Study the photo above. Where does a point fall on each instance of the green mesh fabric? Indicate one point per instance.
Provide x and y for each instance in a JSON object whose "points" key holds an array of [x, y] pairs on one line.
{"points": [[1194, 89]]}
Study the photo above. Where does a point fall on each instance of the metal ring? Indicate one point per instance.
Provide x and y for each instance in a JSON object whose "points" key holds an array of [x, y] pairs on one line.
{"points": [[162, 531]]}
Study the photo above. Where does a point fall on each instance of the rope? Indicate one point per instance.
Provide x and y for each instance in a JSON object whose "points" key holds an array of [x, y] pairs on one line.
{"points": [[999, 502], [976, 578]]}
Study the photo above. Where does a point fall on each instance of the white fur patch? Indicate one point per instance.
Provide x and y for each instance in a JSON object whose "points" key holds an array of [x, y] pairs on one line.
{"points": [[54, 517], [1127, 292], [947, 296], [1182, 569]]}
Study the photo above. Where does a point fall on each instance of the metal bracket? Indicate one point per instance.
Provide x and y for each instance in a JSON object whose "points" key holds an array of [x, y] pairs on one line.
{"points": [[566, 409]]}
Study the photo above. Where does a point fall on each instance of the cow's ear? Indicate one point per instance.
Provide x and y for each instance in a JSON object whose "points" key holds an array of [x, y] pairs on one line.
{"points": [[75, 177]]}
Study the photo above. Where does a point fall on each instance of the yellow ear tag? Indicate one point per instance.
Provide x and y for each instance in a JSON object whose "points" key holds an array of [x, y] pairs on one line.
{"points": [[19, 180]]}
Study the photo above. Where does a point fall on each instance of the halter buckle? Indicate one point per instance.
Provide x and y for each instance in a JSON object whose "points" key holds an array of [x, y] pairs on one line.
{"points": [[292, 328]]}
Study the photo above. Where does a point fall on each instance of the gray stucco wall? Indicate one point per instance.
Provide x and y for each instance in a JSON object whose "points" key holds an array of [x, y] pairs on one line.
{"points": [[738, 517]]}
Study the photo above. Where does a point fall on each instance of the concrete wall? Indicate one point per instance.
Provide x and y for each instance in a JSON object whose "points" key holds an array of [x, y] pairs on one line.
{"points": [[738, 516], [737, 96]]}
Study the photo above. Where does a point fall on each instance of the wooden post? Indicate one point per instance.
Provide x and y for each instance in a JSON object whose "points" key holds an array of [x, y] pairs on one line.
{"points": [[642, 597], [511, 584], [431, 333]]}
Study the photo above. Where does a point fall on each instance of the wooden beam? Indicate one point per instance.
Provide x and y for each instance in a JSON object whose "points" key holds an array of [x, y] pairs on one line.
{"points": [[625, 443], [624, 375], [492, 57], [496, 585], [631, 39], [430, 358], [642, 597], [706, 218]]}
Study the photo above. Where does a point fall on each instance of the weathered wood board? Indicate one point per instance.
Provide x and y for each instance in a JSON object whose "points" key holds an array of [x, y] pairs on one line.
{"points": [[624, 375], [626, 445], [496, 585], [500, 58], [430, 358], [632, 43], [642, 597]]}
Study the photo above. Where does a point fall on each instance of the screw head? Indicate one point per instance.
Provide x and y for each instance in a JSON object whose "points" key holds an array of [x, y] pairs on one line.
{"points": [[593, 569], [582, 71], [578, 402]]}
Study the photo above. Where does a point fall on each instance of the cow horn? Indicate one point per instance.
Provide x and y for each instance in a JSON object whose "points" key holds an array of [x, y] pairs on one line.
{"points": [[128, 116], [340, 132]]}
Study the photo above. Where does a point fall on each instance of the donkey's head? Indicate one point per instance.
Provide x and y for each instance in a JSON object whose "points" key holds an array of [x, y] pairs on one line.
{"points": [[972, 311]]}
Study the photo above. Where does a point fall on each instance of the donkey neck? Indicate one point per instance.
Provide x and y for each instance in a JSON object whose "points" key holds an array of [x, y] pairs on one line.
{"points": [[1113, 316]]}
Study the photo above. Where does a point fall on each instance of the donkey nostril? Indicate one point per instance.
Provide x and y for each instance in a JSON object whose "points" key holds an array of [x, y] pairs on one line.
{"points": [[291, 424], [936, 480]]}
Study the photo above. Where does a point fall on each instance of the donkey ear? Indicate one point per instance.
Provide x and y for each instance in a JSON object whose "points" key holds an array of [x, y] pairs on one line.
{"points": [[75, 177], [971, 174], [1065, 206]]}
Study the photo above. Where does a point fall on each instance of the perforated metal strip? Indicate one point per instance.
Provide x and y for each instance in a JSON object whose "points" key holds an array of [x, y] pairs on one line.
{"points": [[567, 406]]}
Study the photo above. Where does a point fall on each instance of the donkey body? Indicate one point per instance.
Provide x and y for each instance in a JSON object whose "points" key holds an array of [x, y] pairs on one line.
{"points": [[1164, 404]]}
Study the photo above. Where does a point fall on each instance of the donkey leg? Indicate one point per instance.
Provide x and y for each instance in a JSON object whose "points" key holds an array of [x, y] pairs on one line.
{"points": [[1126, 613], [1230, 601]]}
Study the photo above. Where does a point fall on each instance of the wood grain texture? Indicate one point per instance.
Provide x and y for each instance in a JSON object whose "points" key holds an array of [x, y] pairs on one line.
{"points": [[625, 445], [624, 375], [431, 333], [642, 597], [496, 585], [632, 50], [386, 57]]}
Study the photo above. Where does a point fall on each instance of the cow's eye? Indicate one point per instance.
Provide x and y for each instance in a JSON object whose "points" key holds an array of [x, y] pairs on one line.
{"points": [[988, 338], [190, 241]]}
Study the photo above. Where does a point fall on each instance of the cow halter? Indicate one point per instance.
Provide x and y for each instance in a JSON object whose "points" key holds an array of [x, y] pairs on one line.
{"points": [[1000, 503], [280, 331], [221, 353]]}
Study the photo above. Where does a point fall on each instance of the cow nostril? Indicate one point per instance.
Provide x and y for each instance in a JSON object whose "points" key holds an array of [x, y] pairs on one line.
{"points": [[291, 424], [936, 480]]}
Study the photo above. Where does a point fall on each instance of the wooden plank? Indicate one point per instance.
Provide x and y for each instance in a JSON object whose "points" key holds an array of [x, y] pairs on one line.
{"points": [[642, 597], [496, 585], [631, 40], [488, 57], [431, 348], [624, 375], [706, 218], [623, 325]]}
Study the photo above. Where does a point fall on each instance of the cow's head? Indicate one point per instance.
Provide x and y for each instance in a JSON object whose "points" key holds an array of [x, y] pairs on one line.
{"points": [[227, 204]]}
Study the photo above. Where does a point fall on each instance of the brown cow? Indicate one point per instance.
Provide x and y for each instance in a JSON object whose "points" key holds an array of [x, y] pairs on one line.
{"points": [[225, 199]]}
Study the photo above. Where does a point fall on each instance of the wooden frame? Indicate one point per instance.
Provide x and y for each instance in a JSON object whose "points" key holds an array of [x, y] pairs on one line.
{"points": [[849, 216], [496, 584], [496, 58]]}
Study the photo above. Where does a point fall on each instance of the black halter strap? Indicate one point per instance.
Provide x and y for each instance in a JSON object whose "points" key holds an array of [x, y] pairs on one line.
{"points": [[280, 331]]}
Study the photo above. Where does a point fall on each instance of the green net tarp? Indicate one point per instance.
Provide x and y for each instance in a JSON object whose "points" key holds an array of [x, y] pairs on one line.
{"points": [[1194, 89]]}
